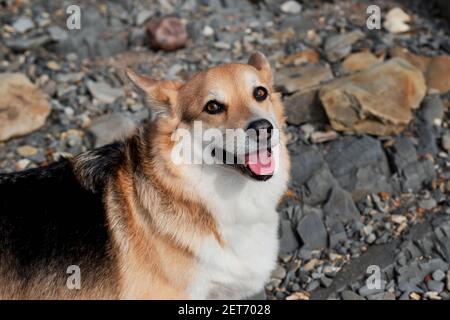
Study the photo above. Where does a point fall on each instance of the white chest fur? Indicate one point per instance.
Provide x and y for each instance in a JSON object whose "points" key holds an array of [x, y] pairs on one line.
{"points": [[247, 222]]}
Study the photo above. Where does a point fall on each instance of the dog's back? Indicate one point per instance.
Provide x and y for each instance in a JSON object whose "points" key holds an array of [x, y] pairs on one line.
{"points": [[48, 222]]}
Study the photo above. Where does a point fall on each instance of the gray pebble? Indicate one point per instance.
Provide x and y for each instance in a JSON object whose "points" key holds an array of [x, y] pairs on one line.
{"points": [[438, 275], [436, 286]]}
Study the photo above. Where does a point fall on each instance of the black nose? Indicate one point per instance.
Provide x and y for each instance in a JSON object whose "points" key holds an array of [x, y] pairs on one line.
{"points": [[262, 127]]}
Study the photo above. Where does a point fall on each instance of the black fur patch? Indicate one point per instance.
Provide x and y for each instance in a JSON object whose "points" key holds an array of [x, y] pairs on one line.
{"points": [[55, 215], [93, 168]]}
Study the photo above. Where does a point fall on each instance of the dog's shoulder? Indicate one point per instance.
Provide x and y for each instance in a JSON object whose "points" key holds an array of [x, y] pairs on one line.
{"points": [[57, 212]]}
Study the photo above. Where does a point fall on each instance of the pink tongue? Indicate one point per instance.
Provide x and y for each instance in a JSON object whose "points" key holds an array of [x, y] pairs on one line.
{"points": [[261, 163]]}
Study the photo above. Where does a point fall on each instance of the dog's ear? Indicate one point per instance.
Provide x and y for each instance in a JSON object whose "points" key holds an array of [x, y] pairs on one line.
{"points": [[260, 62], [161, 95]]}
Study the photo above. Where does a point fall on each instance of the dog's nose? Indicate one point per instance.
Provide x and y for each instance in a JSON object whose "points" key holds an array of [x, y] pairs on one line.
{"points": [[262, 127]]}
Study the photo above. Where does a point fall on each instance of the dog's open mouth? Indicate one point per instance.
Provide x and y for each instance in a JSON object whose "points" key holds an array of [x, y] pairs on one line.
{"points": [[259, 165]]}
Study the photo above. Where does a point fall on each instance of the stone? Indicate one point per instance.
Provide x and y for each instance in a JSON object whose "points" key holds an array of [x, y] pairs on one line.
{"points": [[208, 31], [420, 62], [337, 234], [438, 275], [103, 92], [426, 139], [304, 107], [24, 107], [339, 46], [23, 24], [350, 295], [317, 188], [53, 65], [57, 34], [415, 174], [301, 57], [302, 78], [448, 280], [301, 295], [26, 151], [167, 34], [313, 285], [437, 74], [307, 129], [445, 141], [365, 291], [371, 238], [291, 7], [108, 128], [436, 286], [325, 281], [359, 164], [339, 208], [427, 204], [288, 239], [398, 219], [22, 164], [360, 61], [375, 101], [396, 21], [143, 16], [402, 153], [377, 296], [389, 296], [304, 163], [23, 44], [312, 232], [435, 69], [70, 77], [433, 110], [323, 136], [433, 295]]}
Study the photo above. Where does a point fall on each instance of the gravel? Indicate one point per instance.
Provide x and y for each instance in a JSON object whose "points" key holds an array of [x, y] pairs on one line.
{"points": [[354, 200]]}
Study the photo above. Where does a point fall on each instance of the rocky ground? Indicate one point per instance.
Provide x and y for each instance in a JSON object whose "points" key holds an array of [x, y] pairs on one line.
{"points": [[367, 118]]}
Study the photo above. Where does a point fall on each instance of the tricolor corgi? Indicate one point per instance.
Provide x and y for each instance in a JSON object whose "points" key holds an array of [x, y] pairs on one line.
{"points": [[127, 221]]}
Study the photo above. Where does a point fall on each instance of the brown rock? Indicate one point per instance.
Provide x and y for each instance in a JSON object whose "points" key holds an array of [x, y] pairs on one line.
{"points": [[376, 101], [360, 61], [23, 107], [436, 69], [419, 62], [302, 78], [167, 34], [438, 74], [298, 58], [27, 151]]}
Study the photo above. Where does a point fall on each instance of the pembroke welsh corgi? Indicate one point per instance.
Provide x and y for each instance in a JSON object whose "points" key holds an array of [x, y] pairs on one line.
{"points": [[128, 221]]}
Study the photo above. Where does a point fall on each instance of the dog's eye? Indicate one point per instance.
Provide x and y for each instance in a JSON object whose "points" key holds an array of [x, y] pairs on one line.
{"points": [[214, 107], [260, 93]]}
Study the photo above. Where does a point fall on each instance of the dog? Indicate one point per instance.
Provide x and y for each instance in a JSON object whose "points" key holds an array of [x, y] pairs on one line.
{"points": [[124, 221]]}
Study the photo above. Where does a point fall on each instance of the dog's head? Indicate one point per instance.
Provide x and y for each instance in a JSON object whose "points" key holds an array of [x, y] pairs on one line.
{"points": [[239, 113]]}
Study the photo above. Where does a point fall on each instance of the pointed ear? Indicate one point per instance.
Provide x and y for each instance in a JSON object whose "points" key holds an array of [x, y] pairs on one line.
{"points": [[260, 62], [161, 95]]}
